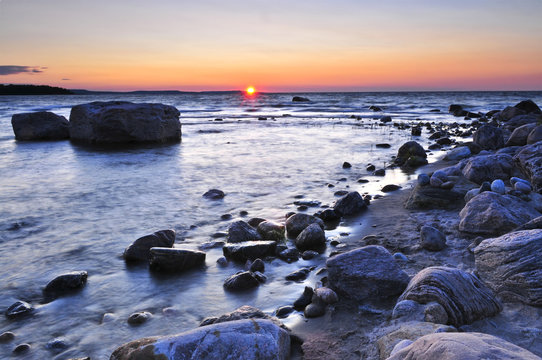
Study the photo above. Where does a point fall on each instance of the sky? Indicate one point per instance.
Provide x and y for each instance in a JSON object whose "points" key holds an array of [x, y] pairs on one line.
{"points": [[274, 45]]}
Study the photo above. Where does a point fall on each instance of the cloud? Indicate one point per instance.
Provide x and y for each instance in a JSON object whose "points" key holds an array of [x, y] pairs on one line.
{"points": [[66, 79], [19, 69]]}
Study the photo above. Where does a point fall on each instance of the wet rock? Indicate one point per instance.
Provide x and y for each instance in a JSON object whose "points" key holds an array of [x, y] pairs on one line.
{"points": [[326, 295], [346, 165], [328, 215], [21, 349], [300, 99], [498, 187], [242, 339], [535, 135], [510, 112], [458, 153], [240, 231], [257, 265], [242, 313], [521, 120], [41, 125], [174, 260], [464, 297], [313, 237], [350, 204], [529, 160], [298, 275], [462, 346], [259, 276], [528, 106], [6, 337], [271, 231], [296, 223], [314, 309], [284, 311], [289, 254], [222, 261], [448, 185], [492, 214], [367, 273], [249, 250], [123, 122], [305, 298], [57, 344], [379, 172], [214, 194], [432, 239], [489, 137], [309, 254], [211, 245], [428, 197], [416, 131], [385, 119], [411, 154], [255, 221], [489, 167], [19, 309], [139, 250], [511, 265], [65, 283], [383, 146], [423, 179], [390, 188], [519, 135], [444, 141], [370, 167], [241, 281], [375, 108], [139, 318], [454, 108]]}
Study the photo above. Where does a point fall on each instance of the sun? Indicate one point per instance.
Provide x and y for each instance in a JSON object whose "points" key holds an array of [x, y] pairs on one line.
{"points": [[250, 90]]}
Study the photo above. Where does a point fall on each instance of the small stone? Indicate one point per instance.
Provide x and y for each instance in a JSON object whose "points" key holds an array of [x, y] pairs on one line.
{"points": [[448, 185], [309, 254], [225, 217], [214, 194], [289, 254], [370, 167], [436, 182], [432, 239], [346, 165], [7, 337], [298, 275], [314, 310], [383, 146], [522, 187], [379, 172], [18, 309], [486, 186], [284, 311], [407, 309], [363, 181], [222, 261], [385, 119], [257, 265], [423, 179], [435, 313], [57, 344], [390, 188], [305, 299], [327, 295], [241, 281], [139, 318], [399, 256], [498, 187], [21, 348], [259, 276]]}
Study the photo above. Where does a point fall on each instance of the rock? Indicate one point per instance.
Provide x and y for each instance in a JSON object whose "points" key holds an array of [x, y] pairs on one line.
{"points": [[139, 250], [241, 313], [432, 239], [222, 261], [470, 194], [375, 108], [259, 276], [529, 160], [296, 223], [408, 310], [57, 344], [411, 154], [435, 182], [309, 254], [423, 179], [492, 214], [241, 339], [379, 172], [435, 313], [346, 165], [448, 185], [511, 265], [350, 204], [528, 106], [462, 346], [139, 318], [383, 146], [21, 348], [489, 137], [300, 99], [271, 231], [521, 120], [535, 223], [444, 141], [313, 237], [249, 250], [257, 265], [464, 297], [428, 197], [399, 256], [284, 311], [289, 254], [19, 309], [41, 125], [173, 260], [314, 310], [498, 187], [390, 188], [328, 215], [367, 273], [240, 231], [65, 283], [486, 186], [241, 281], [305, 298], [400, 346], [298, 275], [214, 194], [454, 107], [123, 122], [327, 295], [489, 167], [520, 134], [510, 112], [416, 131], [535, 135], [6, 337], [458, 153], [385, 119]]}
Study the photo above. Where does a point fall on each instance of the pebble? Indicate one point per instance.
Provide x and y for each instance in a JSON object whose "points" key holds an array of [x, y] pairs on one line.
{"points": [[400, 256], [380, 172], [314, 310], [21, 348], [498, 186], [57, 344], [448, 185], [222, 261], [423, 179], [18, 308], [309, 254], [284, 311], [363, 181], [346, 165], [390, 188], [257, 265], [522, 187], [370, 167], [139, 318], [486, 186], [7, 337]]}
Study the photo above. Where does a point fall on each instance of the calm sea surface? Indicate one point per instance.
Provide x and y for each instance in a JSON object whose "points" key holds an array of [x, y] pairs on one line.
{"points": [[64, 207]]}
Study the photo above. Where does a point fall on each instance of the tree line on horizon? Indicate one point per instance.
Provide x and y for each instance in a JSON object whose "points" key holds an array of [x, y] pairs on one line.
{"points": [[12, 89]]}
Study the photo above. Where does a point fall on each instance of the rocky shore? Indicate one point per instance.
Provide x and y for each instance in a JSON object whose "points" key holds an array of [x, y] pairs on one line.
{"points": [[450, 266]]}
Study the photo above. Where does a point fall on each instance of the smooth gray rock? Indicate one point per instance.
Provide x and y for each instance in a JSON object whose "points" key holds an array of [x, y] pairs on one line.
{"points": [[522, 187], [312, 238], [327, 295], [367, 273], [139, 250], [498, 187], [65, 283], [492, 214], [296, 223], [462, 346], [529, 160], [520, 134], [241, 281], [489, 167], [249, 250], [458, 153], [240, 231], [350, 204], [432, 239], [489, 137], [270, 230], [535, 135], [41, 125], [464, 297], [116, 122], [512, 265], [174, 260], [241, 340]]}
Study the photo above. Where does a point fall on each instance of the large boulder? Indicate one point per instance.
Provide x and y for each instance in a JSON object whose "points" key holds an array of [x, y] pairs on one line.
{"points": [[411, 154], [535, 135], [462, 346], [240, 231], [519, 135], [42, 125], [462, 295], [350, 204], [249, 250], [296, 223], [116, 122], [489, 137], [510, 112], [367, 273], [492, 214], [242, 339], [173, 260], [528, 106], [312, 238], [489, 167], [139, 250], [512, 265], [529, 160]]}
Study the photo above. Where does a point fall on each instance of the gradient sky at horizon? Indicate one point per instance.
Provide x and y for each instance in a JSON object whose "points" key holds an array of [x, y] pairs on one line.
{"points": [[341, 45]]}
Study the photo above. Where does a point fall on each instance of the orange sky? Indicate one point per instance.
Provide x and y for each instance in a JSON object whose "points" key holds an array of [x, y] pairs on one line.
{"points": [[344, 45]]}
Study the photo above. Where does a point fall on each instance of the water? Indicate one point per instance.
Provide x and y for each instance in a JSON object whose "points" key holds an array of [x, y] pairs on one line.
{"points": [[65, 207]]}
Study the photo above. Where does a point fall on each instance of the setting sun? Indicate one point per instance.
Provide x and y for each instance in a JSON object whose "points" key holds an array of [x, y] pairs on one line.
{"points": [[250, 90]]}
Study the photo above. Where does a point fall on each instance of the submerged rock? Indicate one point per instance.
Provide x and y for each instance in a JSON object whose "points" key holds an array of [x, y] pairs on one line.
{"points": [[117, 122], [463, 296], [41, 125], [173, 260], [19, 309], [242, 313], [139, 250], [240, 231], [298, 275], [512, 265], [296, 223], [242, 339], [249, 250], [65, 283], [139, 318], [214, 194]]}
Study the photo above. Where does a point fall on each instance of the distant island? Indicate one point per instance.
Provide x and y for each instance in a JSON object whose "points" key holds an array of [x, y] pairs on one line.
{"points": [[33, 90]]}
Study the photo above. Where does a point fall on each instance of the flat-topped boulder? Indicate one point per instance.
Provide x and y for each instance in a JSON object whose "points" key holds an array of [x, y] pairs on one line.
{"points": [[117, 122], [249, 250], [139, 250], [174, 260], [41, 125]]}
